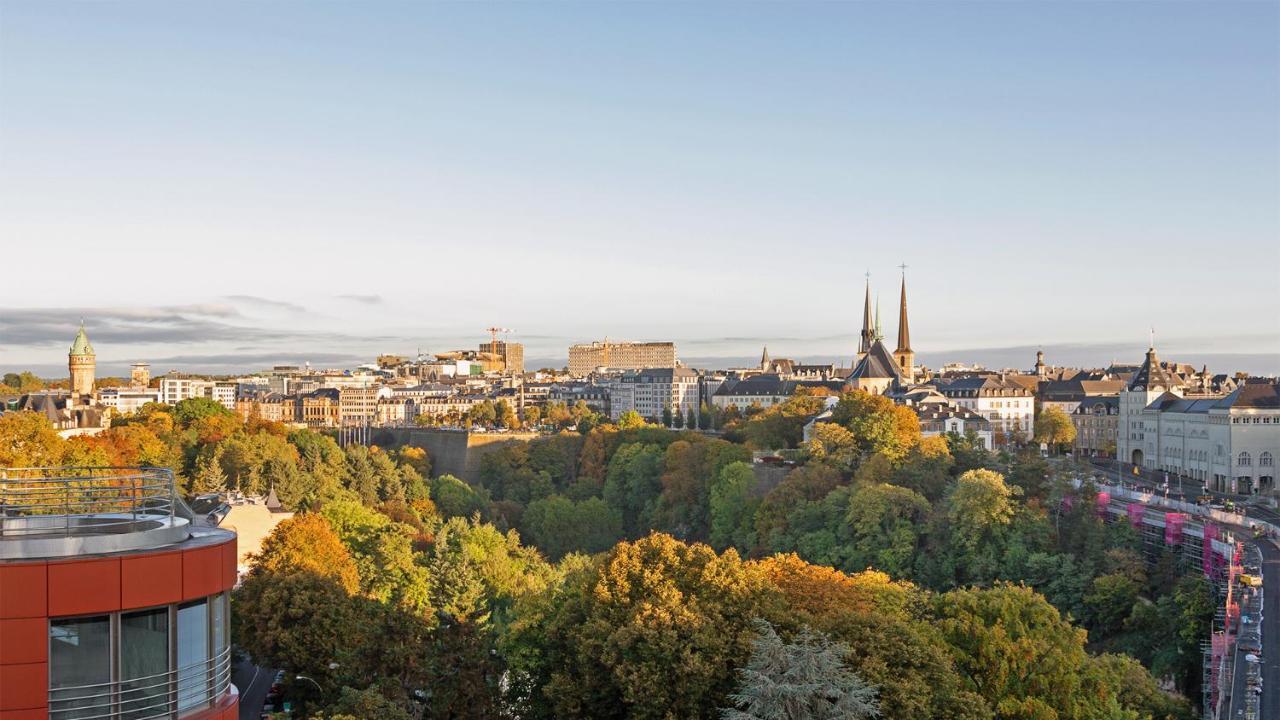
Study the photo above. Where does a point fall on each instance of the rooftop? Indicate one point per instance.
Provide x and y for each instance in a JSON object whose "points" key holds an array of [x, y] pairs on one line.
{"points": [[69, 511]]}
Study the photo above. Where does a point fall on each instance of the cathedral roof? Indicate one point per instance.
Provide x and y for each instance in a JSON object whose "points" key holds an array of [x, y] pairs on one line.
{"points": [[81, 344], [877, 363]]}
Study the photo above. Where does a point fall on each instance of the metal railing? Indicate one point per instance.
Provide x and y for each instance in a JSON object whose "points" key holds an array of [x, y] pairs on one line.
{"points": [[69, 501], [161, 695]]}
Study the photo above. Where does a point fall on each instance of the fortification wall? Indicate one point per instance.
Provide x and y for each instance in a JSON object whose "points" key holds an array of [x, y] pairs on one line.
{"points": [[453, 452]]}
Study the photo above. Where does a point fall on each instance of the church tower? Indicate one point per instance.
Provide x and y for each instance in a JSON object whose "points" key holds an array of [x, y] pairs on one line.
{"points": [[81, 362], [868, 335], [904, 355]]}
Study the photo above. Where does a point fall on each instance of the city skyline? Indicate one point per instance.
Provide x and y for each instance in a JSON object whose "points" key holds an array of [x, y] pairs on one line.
{"points": [[340, 182]]}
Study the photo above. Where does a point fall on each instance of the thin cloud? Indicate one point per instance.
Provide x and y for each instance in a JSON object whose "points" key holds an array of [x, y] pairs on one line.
{"points": [[265, 302], [363, 299], [184, 324]]}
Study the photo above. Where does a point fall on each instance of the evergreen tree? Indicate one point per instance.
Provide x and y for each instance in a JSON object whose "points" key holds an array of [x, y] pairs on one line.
{"points": [[806, 679]]}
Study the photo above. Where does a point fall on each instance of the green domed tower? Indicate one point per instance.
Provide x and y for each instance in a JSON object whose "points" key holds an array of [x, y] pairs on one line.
{"points": [[82, 363]]}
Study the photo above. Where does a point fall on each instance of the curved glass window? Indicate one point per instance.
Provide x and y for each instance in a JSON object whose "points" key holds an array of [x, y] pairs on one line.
{"points": [[144, 663], [163, 662], [79, 666]]}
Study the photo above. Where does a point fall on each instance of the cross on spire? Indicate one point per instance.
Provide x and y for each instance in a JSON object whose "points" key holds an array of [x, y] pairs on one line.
{"points": [[903, 268]]}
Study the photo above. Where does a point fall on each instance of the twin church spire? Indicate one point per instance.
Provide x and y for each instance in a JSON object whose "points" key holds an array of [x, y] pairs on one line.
{"points": [[870, 335]]}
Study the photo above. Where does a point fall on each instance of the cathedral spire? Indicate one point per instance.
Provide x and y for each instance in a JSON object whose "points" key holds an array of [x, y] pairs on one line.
{"points": [[765, 362], [904, 333], [904, 355], [879, 334], [868, 332]]}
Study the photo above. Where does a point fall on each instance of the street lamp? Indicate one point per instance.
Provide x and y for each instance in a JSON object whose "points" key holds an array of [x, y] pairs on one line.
{"points": [[313, 682]]}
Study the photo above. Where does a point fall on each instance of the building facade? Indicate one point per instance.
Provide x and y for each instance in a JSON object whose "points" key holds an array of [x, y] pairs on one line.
{"points": [[174, 390], [1008, 406], [1097, 420], [652, 391], [115, 615], [586, 358], [1231, 443]]}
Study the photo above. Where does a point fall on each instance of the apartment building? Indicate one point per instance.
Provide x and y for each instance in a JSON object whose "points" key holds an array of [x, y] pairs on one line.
{"points": [[586, 358], [654, 390]]}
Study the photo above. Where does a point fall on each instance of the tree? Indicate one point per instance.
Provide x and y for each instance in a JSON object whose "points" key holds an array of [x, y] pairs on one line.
{"points": [[455, 497], [504, 416], [979, 506], [666, 417], [885, 521], [805, 679], [732, 507], [651, 630], [1054, 428], [632, 485], [558, 526], [27, 439], [877, 423], [782, 425], [691, 419], [209, 477], [482, 413], [833, 445], [532, 415], [631, 419], [1019, 654], [307, 543], [188, 411]]}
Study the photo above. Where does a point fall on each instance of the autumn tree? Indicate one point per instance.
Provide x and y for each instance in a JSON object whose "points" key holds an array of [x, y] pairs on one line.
{"points": [[878, 424], [651, 630], [1054, 428], [27, 439]]}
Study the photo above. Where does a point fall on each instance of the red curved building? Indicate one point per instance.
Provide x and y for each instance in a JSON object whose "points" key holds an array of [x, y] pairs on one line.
{"points": [[114, 599]]}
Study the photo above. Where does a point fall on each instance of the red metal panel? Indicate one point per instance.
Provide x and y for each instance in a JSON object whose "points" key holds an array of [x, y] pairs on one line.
{"points": [[85, 586], [23, 687], [229, 556], [201, 572], [32, 714], [148, 580], [23, 592], [24, 640]]}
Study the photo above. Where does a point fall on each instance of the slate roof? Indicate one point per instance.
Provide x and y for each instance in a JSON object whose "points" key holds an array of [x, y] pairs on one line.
{"points": [[1109, 404], [877, 363], [1263, 395], [1152, 374]]}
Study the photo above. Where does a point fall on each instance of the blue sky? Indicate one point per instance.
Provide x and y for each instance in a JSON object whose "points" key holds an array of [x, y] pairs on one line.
{"points": [[206, 181]]}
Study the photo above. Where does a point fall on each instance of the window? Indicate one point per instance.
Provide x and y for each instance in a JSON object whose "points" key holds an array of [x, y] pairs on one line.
{"points": [[139, 664], [193, 649], [144, 663], [1243, 460], [79, 655], [1264, 460]]}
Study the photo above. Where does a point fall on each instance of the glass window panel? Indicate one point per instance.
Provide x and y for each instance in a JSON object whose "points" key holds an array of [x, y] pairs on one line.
{"points": [[144, 663], [193, 655], [79, 656]]}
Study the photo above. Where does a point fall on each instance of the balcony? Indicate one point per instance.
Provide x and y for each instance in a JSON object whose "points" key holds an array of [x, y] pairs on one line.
{"points": [[63, 512], [170, 694]]}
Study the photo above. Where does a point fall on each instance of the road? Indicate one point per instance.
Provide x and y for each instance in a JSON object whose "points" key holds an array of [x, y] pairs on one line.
{"points": [[253, 683], [1270, 634]]}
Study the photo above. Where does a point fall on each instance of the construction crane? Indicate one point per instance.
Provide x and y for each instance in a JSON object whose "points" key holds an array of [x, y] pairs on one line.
{"points": [[493, 334]]}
